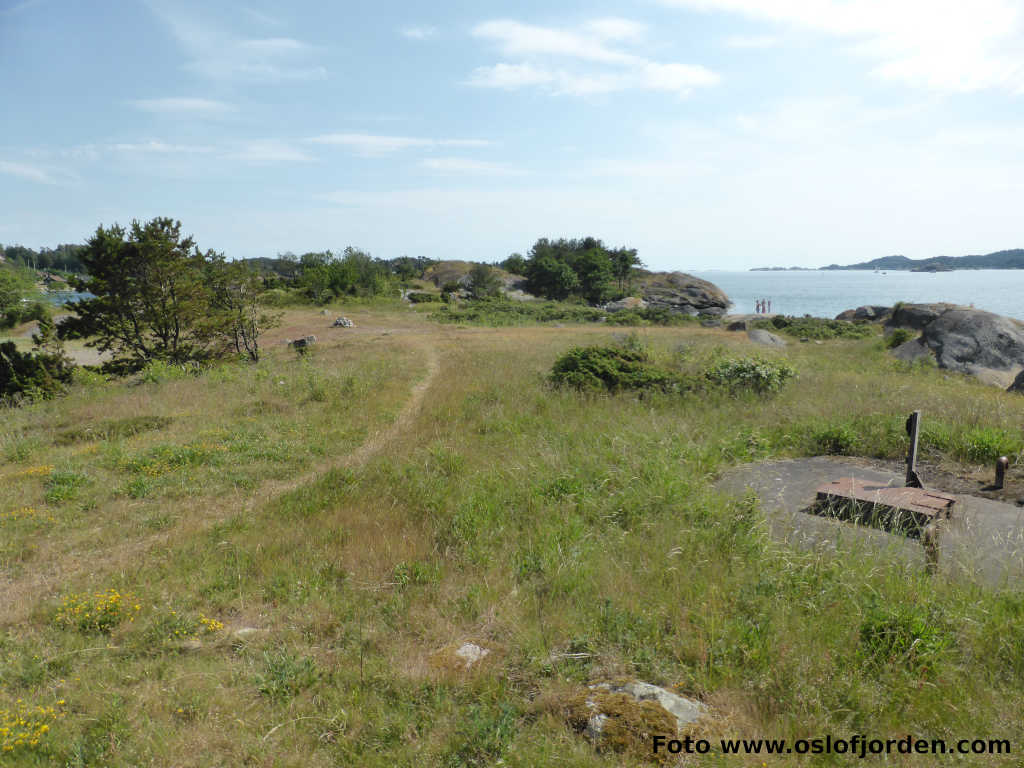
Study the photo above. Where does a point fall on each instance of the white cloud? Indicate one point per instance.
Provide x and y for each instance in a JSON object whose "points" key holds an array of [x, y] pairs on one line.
{"points": [[947, 45], [269, 152], [160, 148], [184, 105], [616, 29], [751, 41], [27, 172], [418, 32], [516, 39], [510, 76], [220, 55], [374, 144], [581, 61], [467, 165]]}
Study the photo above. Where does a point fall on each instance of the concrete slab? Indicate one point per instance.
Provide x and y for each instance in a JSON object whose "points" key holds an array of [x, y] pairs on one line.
{"points": [[984, 540]]}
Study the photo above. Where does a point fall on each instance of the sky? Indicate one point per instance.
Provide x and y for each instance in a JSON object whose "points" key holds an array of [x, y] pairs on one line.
{"points": [[708, 134]]}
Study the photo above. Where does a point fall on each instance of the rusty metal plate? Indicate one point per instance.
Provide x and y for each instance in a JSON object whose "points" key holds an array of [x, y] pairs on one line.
{"points": [[907, 510]]}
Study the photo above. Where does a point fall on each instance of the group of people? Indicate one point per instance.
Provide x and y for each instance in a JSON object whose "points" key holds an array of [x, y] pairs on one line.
{"points": [[764, 306]]}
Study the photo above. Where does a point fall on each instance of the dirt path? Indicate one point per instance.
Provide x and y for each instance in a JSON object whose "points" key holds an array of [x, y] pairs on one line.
{"points": [[18, 596]]}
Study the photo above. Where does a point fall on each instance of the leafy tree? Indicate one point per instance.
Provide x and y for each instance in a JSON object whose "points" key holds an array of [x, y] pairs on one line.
{"points": [[515, 264], [236, 296], [548, 277], [594, 270], [483, 282], [623, 260], [152, 297]]}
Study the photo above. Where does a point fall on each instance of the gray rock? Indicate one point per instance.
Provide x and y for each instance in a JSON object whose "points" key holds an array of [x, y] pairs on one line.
{"points": [[912, 350], [679, 292], [916, 316], [985, 345], [737, 325], [684, 710], [471, 653], [872, 313], [343, 322], [630, 302], [1018, 383], [765, 338], [244, 634], [848, 315]]}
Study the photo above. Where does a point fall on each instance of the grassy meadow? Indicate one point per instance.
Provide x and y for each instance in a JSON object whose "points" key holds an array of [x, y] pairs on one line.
{"points": [[272, 564]]}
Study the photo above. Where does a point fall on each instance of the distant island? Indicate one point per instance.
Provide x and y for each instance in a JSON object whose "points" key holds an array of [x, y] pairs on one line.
{"points": [[1012, 259], [783, 269]]}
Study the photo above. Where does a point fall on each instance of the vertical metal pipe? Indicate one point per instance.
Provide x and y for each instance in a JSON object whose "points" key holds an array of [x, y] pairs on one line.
{"points": [[913, 427], [1002, 463]]}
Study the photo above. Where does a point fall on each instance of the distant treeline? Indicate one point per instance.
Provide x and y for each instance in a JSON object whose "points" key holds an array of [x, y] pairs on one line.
{"points": [[323, 275], [63, 258], [1012, 259]]}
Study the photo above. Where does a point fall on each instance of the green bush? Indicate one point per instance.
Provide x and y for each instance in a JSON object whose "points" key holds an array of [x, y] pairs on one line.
{"points": [[613, 369], [750, 373], [816, 327], [898, 336], [501, 312], [422, 297], [32, 375]]}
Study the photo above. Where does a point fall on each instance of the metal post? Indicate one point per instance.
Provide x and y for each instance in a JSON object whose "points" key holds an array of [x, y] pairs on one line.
{"points": [[930, 540], [1002, 463], [913, 425]]}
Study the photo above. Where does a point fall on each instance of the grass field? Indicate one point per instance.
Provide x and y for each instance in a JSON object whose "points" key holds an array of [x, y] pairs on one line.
{"points": [[272, 565]]}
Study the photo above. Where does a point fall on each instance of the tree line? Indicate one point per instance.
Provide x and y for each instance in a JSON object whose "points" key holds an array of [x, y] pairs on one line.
{"points": [[583, 268], [64, 258]]}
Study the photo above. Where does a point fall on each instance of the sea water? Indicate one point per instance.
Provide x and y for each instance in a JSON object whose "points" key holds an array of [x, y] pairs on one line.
{"points": [[826, 293]]}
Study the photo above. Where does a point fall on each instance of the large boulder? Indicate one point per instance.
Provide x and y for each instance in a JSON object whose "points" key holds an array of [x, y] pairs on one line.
{"points": [[985, 345], [872, 314], [1018, 383], [765, 338], [689, 295], [630, 302], [916, 316]]}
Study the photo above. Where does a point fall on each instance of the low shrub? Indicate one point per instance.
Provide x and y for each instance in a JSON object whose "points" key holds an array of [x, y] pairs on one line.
{"points": [[422, 297], [100, 612], [613, 369], [32, 375], [816, 327], [750, 373], [898, 337], [501, 312]]}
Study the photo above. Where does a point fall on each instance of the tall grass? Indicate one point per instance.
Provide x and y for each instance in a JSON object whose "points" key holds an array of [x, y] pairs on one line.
{"points": [[576, 536]]}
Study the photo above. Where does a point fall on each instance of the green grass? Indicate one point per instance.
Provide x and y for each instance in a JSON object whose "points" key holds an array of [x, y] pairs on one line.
{"points": [[576, 536]]}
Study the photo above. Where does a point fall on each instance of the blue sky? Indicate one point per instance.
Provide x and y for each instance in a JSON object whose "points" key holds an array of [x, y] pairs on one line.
{"points": [[706, 133]]}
